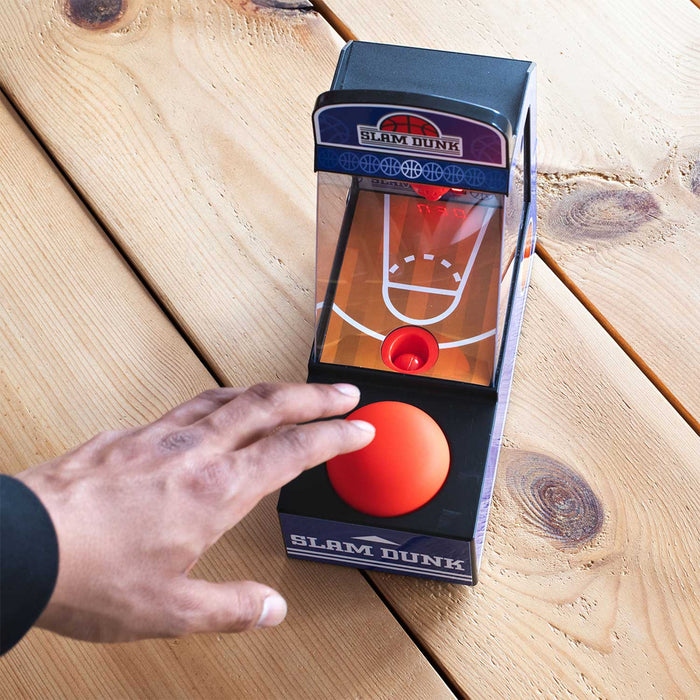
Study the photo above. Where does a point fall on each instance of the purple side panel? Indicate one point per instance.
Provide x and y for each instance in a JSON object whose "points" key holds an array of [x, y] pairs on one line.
{"points": [[500, 419], [511, 351]]}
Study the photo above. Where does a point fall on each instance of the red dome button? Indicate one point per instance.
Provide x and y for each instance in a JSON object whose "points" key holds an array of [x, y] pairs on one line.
{"points": [[410, 349], [401, 469]]}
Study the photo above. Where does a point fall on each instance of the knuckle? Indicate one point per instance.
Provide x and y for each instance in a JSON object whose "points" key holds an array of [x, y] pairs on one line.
{"points": [[324, 392], [185, 615], [247, 467], [241, 614], [104, 437], [245, 618], [189, 613], [218, 394], [335, 430], [267, 393], [344, 431], [210, 394], [297, 440], [179, 441], [213, 478], [106, 442], [338, 435]]}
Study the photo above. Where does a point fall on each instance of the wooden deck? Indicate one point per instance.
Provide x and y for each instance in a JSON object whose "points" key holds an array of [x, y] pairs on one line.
{"points": [[157, 201]]}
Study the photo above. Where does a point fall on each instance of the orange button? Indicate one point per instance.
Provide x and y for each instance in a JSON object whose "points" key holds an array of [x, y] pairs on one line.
{"points": [[401, 469]]}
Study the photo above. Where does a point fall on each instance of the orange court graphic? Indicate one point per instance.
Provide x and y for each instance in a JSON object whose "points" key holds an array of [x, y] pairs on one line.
{"points": [[413, 261]]}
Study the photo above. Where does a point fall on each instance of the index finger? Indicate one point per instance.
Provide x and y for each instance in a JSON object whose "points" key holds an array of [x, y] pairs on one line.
{"points": [[199, 406], [275, 460], [264, 407]]}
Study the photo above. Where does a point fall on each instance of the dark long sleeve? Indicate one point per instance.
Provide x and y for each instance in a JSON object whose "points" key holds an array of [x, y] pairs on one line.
{"points": [[28, 560]]}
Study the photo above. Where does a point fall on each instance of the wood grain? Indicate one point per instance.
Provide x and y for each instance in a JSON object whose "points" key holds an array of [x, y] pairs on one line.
{"points": [[187, 128], [618, 148], [180, 127], [84, 348], [589, 579]]}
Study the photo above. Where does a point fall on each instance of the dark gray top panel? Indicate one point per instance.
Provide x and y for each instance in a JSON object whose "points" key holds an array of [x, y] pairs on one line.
{"points": [[498, 84]]}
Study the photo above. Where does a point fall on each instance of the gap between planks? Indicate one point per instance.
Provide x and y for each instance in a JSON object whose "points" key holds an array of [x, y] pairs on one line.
{"points": [[102, 226], [347, 35], [616, 336], [444, 674]]}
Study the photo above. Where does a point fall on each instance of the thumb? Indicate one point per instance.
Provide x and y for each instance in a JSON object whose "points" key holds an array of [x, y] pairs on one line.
{"points": [[230, 607]]}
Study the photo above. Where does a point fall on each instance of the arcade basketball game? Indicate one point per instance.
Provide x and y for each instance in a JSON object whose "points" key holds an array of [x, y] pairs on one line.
{"points": [[425, 230]]}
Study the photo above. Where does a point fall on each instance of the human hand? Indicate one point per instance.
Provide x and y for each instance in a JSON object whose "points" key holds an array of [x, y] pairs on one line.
{"points": [[135, 509]]}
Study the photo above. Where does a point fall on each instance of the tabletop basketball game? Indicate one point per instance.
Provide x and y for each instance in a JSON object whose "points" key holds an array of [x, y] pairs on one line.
{"points": [[425, 229]]}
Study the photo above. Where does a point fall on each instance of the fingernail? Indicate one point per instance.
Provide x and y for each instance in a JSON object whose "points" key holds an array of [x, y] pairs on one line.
{"points": [[364, 425], [348, 390], [273, 612]]}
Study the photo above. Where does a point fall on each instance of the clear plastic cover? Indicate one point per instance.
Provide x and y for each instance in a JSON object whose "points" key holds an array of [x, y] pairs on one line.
{"points": [[398, 255], [512, 221]]}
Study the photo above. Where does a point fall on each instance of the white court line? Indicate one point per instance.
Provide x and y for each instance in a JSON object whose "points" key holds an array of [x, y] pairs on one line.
{"points": [[467, 341], [462, 285], [355, 324], [379, 336], [427, 290]]}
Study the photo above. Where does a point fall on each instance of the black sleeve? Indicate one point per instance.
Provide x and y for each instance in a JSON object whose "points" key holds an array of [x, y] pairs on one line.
{"points": [[28, 560]]}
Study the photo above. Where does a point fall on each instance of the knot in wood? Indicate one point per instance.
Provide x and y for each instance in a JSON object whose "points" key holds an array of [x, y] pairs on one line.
{"points": [[294, 5], [601, 214], [695, 178], [557, 501], [95, 14]]}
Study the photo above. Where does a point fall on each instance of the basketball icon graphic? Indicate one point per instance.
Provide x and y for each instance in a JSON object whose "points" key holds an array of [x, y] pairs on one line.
{"points": [[474, 177], [411, 169], [348, 160], [432, 171], [453, 174], [487, 148], [408, 124], [333, 129], [391, 167], [369, 164]]}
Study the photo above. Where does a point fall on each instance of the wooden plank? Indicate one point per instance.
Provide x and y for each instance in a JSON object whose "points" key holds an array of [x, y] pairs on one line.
{"points": [[84, 349], [187, 128], [618, 148], [580, 426], [589, 579]]}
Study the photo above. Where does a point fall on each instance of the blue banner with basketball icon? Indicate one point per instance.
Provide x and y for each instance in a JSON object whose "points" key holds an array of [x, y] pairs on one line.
{"points": [[417, 145]]}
